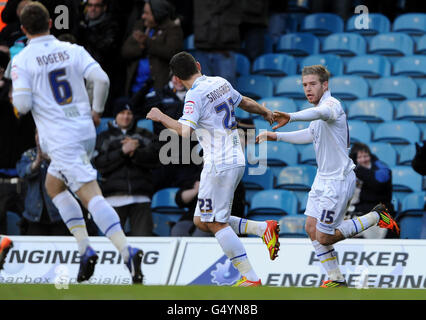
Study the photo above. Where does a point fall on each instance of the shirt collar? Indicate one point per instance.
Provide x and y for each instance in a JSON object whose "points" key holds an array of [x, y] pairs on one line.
{"points": [[48, 37], [197, 80], [326, 95]]}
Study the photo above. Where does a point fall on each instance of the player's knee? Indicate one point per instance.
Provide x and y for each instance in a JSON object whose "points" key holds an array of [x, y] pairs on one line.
{"points": [[310, 229], [199, 224]]}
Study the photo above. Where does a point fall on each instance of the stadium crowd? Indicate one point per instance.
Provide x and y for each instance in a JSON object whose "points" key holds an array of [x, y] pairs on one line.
{"points": [[133, 41]]}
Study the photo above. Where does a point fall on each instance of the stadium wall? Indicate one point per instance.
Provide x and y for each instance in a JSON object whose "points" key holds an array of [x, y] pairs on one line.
{"points": [[390, 263]]}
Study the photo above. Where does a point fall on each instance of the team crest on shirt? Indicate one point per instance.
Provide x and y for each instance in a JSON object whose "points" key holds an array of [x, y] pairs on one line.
{"points": [[189, 107]]}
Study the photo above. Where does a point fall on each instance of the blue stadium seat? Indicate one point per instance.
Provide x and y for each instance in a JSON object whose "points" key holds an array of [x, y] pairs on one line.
{"points": [[303, 202], [274, 64], [414, 202], [411, 225], [412, 110], [377, 23], [258, 182], [163, 222], [243, 64], [369, 65], [349, 87], [293, 227], [344, 44], [280, 202], [411, 23], [411, 217], [371, 110], [290, 87], [163, 201], [279, 104], [332, 62], [255, 86], [395, 88], [260, 123], [307, 155], [281, 154], [404, 178], [146, 124], [103, 126], [359, 131], [397, 132], [391, 44], [322, 23], [13, 221], [298, 44], [298, 178], [421, 45], [385, 152], [165, 211], [406, 155], [412, 66], [255, 182]]}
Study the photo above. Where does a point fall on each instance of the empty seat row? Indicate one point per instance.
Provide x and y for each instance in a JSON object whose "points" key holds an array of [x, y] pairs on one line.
{"points": [[349, 87], [371, 23], [350, 44], [370, 65]]}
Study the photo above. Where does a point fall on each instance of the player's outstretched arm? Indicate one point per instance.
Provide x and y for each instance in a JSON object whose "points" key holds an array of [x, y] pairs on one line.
{"points": [[266, 136], [156, 115], [249, 105]]}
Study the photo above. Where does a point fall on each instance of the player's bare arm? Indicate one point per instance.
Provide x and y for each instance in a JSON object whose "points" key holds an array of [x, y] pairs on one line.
{"points": [[156, 115], [252, 106]]}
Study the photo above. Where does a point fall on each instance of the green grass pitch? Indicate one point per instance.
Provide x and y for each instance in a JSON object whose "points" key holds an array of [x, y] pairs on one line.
{"points": [[106, 292]]}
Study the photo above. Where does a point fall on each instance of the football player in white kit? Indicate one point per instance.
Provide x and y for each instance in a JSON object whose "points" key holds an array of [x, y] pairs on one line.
{"points": [[48, 80], [334, 183], [209, 110]]}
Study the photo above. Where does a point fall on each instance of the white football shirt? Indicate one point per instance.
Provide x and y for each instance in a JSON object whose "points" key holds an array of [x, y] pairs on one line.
{"points": [[209, 110], [53, 72], [331, 141]]}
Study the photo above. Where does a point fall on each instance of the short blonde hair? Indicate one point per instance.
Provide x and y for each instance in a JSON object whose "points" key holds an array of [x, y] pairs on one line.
{"points": [[317, 69]]}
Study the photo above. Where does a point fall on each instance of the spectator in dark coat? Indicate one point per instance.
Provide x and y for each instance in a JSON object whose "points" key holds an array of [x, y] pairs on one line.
{"points": [[126, 156], [153, 42], [419, 160], [374, 184]]}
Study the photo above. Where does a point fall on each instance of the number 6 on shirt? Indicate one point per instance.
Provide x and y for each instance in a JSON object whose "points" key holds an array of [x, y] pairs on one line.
{"points": [[61, 88]]}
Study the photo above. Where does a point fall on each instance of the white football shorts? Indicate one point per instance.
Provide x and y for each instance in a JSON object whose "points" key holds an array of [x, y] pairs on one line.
{"points": [[328, 201], [216, 193], [71, 164]]}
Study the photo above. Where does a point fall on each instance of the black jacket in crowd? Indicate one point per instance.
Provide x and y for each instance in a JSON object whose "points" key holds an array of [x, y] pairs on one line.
{"points": [[120, 173], [376, 187]]}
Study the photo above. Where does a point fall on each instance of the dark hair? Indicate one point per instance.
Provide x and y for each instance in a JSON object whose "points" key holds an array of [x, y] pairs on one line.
{"points": [[35, 18], [183, 65], [357, 147], [161, 10]]}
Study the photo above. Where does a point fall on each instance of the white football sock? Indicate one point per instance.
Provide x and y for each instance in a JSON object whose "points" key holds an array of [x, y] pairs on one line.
{"points": [[107, 220], [328, 258], [234, 250], [245, 226], [71, 214], [351, 227]]}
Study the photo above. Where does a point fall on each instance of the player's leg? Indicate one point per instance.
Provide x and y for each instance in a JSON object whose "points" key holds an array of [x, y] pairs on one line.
{"points": [[325, 253], [70, 212], [268, 230], [108, 221], [215, 198]]}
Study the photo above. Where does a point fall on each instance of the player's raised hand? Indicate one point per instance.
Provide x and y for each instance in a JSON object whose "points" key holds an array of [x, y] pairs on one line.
{"points": [[282, 118], [155, 115], [266, 136]]}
